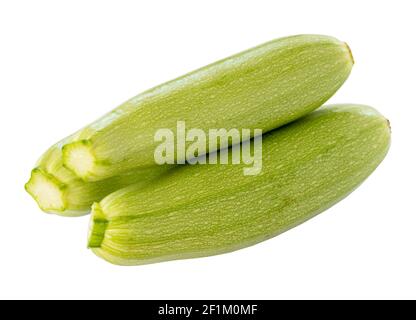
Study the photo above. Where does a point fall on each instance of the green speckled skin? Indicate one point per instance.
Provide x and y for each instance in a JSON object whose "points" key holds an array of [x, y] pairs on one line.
{"points": [[202, 210], [261, 88]]}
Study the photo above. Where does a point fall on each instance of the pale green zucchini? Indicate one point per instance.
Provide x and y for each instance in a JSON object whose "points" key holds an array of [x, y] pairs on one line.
{"points": [[202, 210], [261, 88], [57, 190]]}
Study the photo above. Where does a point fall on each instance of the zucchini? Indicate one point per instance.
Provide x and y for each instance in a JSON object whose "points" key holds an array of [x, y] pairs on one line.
{"points": [[261, 88], [57, 190], [203, 210]]}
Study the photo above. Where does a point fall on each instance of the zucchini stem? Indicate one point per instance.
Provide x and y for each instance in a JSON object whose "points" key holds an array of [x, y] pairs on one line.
{"points": [[47, 190], [98, 227], [79, 158]]}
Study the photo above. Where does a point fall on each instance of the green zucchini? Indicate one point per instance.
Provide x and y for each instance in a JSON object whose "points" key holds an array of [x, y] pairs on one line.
{"points": [[203, 210], [57, 190], [261, 88]]}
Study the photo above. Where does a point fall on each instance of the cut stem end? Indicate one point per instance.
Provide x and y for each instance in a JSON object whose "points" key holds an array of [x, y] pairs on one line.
{"points": [[47, 191], [98, 227], [78, 158]]}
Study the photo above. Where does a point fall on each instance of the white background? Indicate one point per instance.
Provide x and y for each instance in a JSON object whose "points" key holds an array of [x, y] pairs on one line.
{"points": [[63, 64]]}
